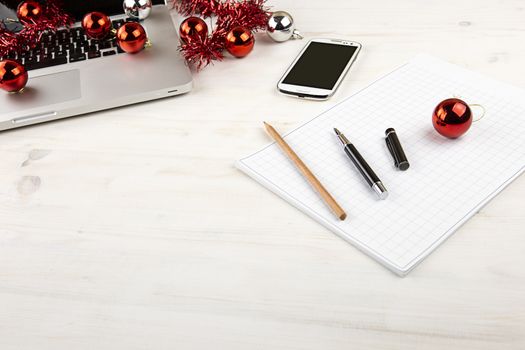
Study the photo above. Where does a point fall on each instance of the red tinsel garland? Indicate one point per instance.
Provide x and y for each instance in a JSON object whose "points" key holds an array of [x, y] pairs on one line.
{"points": [[250, 14], [52, 19], [8, 41], [205, 8]]}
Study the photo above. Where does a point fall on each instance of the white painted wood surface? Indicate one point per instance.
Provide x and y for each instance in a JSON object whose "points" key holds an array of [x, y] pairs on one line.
{"points": [[131, 229]]}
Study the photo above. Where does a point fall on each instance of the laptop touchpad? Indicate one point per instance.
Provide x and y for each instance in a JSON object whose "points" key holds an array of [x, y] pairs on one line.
{"points": [[44, 90]]}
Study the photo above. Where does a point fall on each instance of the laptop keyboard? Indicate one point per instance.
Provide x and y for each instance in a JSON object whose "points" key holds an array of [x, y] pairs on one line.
{"points": [[67, 46]]}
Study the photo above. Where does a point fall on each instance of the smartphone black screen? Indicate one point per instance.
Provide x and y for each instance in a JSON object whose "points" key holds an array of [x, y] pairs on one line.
{"points": [[320, 65]]}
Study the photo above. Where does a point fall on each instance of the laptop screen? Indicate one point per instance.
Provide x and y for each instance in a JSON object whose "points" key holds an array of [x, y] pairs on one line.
{"points": [[76, 8]]}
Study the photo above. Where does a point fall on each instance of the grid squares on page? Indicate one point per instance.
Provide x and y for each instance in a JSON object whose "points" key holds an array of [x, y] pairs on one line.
{"points": [[447, 178]]}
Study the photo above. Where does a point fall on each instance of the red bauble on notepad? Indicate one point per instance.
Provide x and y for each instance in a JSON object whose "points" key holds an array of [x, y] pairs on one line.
{"points": [[452, 118]]}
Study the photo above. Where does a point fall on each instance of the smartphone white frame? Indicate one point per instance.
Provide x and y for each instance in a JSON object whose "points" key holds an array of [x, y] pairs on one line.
{"points": [[316, 93]]}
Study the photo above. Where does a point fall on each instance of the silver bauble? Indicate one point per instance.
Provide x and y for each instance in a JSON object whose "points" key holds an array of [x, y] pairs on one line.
{"points": [[137, 9], [281, 27]]}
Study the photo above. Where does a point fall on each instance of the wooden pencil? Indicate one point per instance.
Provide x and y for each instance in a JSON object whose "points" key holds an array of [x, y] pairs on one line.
{"points": [[305, 171]]}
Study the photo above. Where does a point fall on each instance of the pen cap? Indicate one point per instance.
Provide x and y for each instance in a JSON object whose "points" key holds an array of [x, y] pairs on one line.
{"points": [[395, 148]]}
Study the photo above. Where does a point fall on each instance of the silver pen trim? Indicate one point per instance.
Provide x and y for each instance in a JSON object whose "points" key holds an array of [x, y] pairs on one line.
{"points": [[380, 190], [390, 132]]}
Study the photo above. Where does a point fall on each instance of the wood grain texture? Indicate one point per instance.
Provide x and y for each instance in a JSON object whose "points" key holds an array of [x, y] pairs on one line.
{"points": [[307, 173], [104, 245]]}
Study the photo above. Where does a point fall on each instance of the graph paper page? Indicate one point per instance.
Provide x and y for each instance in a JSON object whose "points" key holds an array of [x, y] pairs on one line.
{"points": [[448, 180]]}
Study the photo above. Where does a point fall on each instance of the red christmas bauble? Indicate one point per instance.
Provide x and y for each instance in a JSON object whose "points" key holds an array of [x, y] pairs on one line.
{"points": [[239, 42], [131, 37], [13, 76], [452, 118], [29, 11], [191, 28], [96, 25]]}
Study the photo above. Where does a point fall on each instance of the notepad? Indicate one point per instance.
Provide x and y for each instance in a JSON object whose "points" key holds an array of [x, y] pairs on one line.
{"points": [[448, 180]]}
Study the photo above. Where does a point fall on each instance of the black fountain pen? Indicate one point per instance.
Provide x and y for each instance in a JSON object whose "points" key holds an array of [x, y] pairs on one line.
{"points": [[363, 166]]}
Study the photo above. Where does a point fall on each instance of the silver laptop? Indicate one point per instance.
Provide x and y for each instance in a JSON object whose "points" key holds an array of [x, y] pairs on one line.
{"points": [[71, 75]]}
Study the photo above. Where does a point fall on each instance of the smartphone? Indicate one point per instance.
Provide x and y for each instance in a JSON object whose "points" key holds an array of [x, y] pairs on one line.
{"points": [[319, 69]]}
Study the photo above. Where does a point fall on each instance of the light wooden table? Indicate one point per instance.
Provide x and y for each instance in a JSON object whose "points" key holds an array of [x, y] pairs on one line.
{"points": [[131, 229]]}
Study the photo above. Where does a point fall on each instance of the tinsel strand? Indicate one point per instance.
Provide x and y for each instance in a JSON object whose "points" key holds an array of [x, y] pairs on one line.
{"points": [[250, 14]]}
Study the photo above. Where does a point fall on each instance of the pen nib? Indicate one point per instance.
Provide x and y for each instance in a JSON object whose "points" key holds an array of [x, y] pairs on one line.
{"points": [[342, 137]]}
